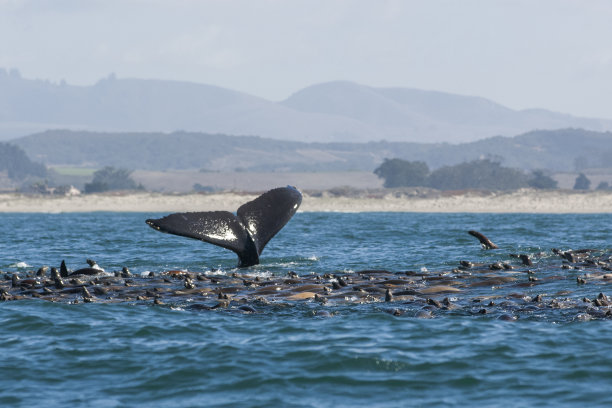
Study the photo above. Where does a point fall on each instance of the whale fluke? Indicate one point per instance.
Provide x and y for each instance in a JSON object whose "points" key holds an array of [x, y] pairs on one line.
{"points": [[245, 233]]}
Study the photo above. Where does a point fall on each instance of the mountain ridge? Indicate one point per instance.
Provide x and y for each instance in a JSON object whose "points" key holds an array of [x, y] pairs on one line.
{"points": [[338, 111]]}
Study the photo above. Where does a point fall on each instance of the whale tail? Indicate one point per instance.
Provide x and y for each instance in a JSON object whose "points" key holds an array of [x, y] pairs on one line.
{"points": [[245, 233]]}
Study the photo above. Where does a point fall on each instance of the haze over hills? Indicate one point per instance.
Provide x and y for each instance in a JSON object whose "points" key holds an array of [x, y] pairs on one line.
{"points": [[558, 151], [330, 112], [434, 116]]}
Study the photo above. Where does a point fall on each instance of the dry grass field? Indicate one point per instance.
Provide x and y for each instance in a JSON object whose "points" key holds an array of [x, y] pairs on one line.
{"points": [[183, 181]]}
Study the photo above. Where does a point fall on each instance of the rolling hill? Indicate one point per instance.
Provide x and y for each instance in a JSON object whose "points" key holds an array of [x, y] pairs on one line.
{"points": [[338, 111], [559, 151]]}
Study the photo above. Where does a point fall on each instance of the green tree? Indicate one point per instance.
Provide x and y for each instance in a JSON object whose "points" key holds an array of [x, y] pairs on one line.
{"points": [[17, 164], [603, 185], [540, 180], [481, 174], [582, 182], [402, 173], [110, 178]]}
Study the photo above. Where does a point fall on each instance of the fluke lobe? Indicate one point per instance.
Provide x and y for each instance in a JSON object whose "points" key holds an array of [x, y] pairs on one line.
{"points": [[245, 233]]}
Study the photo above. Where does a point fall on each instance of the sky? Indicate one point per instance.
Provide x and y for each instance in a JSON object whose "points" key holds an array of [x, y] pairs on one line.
{"points": [[551, 54]]}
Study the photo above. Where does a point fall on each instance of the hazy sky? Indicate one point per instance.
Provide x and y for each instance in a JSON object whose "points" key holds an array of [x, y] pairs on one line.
{"points": [[554, 54]]}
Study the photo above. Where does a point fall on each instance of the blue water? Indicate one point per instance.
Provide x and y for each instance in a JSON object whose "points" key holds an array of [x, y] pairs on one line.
{"points": [[131, 354]]}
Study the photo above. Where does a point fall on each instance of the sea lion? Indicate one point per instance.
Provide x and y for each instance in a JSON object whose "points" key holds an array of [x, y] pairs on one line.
{"points": [[245, 233], [525, 260], [64, 273], [94, 265], [479, 293]]}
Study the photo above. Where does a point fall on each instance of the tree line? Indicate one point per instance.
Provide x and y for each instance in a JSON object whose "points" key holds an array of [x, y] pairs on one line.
{"points": [[37, 177], [485, 174]]}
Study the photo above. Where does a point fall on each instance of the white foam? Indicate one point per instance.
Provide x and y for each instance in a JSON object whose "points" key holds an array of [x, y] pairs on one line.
{"points": [[20, 265], [97, 267], [215, 272], [262, 274], [104, 273], [286, 264]]}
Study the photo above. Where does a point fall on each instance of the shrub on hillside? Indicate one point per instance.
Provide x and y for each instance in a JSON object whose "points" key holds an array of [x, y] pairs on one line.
{"points": [[402, 173], [479, 174], [582, 182], [110, 178], [541, 181]]}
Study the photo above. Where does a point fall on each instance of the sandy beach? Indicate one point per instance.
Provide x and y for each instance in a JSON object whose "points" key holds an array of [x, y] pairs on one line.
{"points": [[522, 201]]}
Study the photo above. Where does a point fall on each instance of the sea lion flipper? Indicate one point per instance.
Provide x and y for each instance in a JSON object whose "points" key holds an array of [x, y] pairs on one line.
{"points": [[484, 241], [220, 228], [63, 270], [268, 214]]}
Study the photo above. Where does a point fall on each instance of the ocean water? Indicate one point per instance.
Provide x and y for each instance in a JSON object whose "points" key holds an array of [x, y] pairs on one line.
{"points": [[135, 354]]}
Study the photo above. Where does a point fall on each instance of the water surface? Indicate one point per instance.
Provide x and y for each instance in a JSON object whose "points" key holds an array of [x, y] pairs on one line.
{"points": [[124, 354]]}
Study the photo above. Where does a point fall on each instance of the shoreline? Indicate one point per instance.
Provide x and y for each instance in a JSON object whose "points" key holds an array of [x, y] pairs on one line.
{"points": [[520, 201]]}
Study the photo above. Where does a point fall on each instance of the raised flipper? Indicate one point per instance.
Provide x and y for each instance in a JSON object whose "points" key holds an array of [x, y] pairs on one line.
{"points": [[484, 241], [247, 233]]}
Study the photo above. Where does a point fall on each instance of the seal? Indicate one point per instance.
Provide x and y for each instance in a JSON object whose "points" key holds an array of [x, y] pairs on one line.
{"points": [[478, 291], [245, 233], [94, 270]]}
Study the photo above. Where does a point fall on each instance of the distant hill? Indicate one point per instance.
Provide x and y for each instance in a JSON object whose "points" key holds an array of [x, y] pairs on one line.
{"points": [[403, 114], [330, 112], [559, 150]]}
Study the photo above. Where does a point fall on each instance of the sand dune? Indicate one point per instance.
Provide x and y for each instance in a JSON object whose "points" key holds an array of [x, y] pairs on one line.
{"points": [[522, 201]]}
